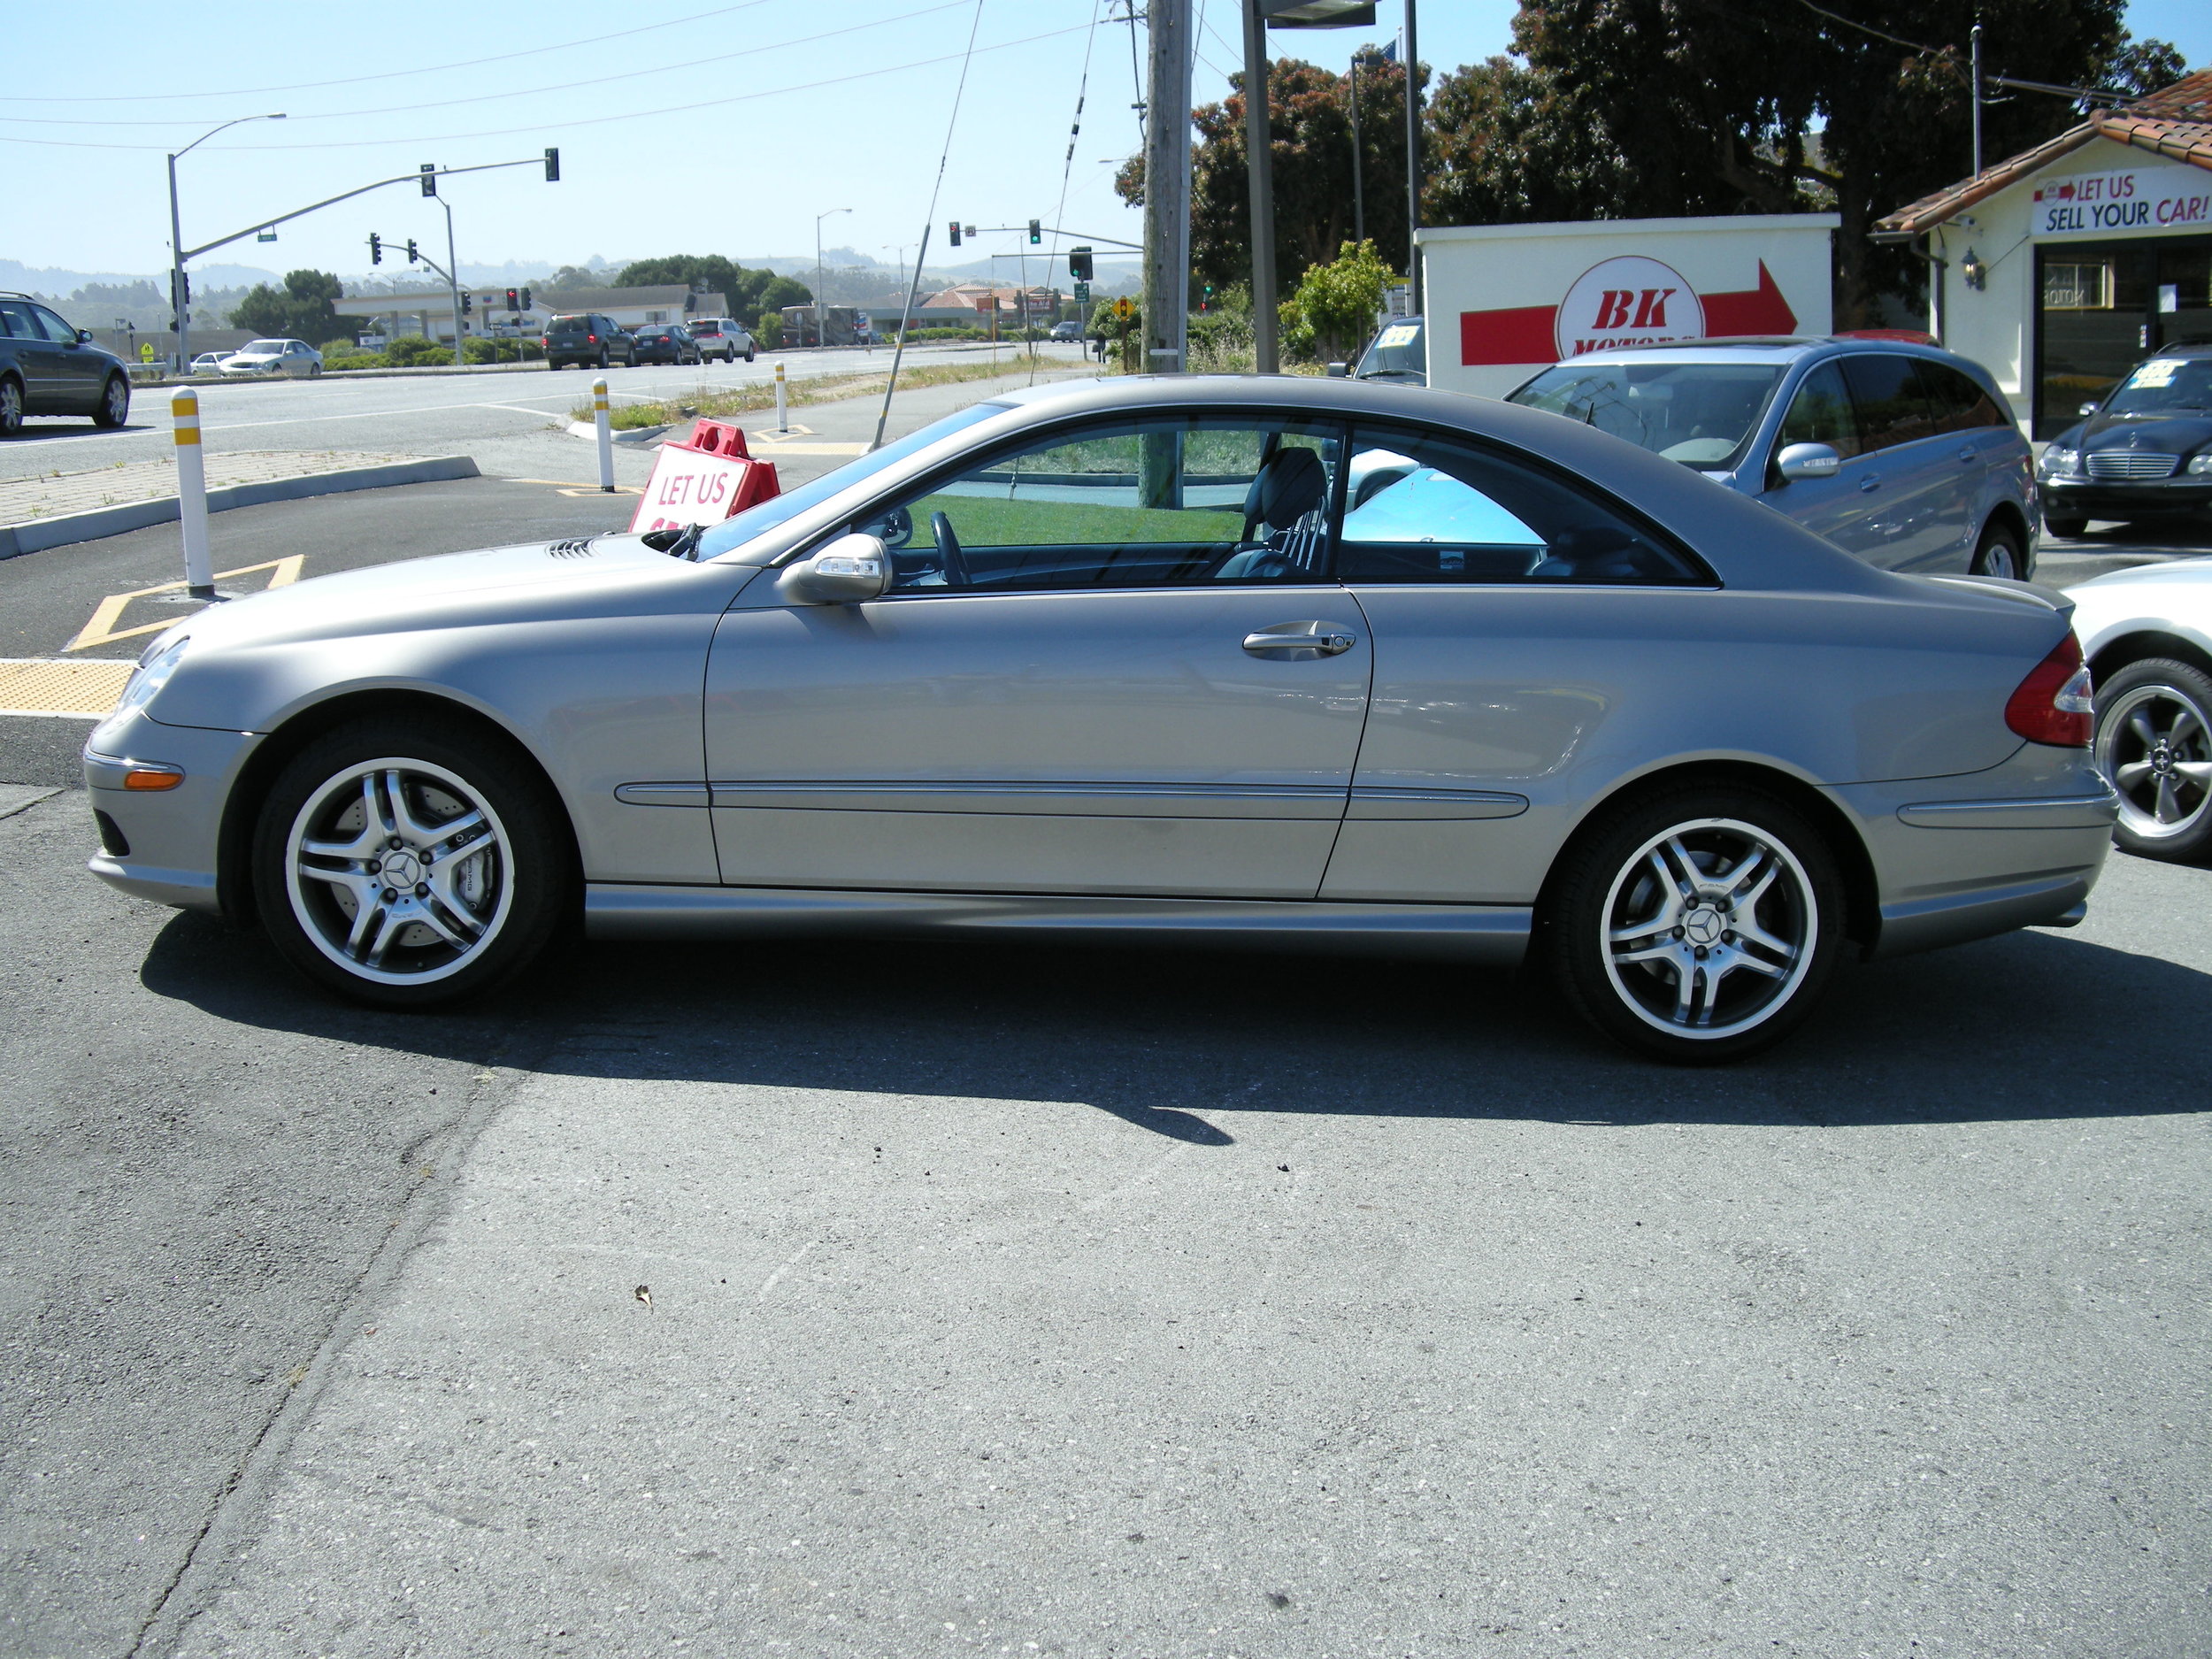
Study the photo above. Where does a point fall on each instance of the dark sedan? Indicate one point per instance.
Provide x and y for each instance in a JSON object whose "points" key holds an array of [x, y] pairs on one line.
{"points": [[2145, 452], [47, 367], [666, 342]]}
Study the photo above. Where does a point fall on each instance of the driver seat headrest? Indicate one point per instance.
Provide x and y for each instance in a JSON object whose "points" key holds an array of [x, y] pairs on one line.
{"points": [[1292, 484]]}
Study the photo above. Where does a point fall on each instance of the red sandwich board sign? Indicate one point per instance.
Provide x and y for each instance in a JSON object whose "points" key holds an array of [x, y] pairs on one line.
{"points": [[1504, 301], [703, 479]]}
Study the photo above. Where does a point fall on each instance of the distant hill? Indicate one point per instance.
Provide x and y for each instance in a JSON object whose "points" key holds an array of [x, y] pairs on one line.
{"points": [[60, 283]]}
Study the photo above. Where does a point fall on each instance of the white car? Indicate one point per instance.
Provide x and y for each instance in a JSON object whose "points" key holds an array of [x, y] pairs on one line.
{"points": [[274, 356], [2147, 635], [207, 362]]}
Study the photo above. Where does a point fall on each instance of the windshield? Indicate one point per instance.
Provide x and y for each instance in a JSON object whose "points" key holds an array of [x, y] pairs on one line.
{"points": [[1701, 414], [271, 346], [736, 532], [1399, 352], [2164, 385]]}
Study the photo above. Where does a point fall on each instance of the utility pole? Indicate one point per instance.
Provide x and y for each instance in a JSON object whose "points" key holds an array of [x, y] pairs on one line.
{"points": [[1359, 196], [1267, 359], [1977, 98], [1413, 162], [1167, 187], [180, 293], [452, 266]]}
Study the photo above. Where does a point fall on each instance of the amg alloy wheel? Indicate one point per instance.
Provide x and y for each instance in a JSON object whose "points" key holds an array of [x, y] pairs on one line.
{"points": [[410, 866], [1698, 927], [2154, 742]]}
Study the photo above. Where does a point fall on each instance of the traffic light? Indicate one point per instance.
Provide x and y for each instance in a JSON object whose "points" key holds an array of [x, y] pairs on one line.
{"points": [[525, 299], [376, 249], [1079, 264], [552, 165], [412, 255], [468, 304], [429, 170], [511, 301], [1036, 232], [1206, 299], [956, 233]]}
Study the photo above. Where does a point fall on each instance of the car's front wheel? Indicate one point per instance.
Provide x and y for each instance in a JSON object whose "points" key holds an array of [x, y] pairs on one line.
{"points": [[1698, 925], [412, 862], [115, 403], [2154, 742]]}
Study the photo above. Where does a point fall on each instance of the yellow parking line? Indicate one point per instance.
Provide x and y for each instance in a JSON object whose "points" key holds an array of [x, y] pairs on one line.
{"points": [[102, 629]]}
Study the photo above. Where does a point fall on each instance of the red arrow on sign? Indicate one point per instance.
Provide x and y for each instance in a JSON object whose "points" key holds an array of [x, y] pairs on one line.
{"points": [[1525, 334]]}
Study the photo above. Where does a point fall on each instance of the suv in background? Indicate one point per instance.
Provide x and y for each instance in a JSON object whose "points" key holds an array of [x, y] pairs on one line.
{"points": [[587, 339], [1904, 455], [47, 367], [723, 337], [666, 342]]}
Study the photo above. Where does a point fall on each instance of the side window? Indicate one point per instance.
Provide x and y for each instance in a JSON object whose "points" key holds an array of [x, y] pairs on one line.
{"points": [[1891, 402], [1426, 509], [1164, 501], [1964, 405], [1821, 413], [15, 321], [57, 331]]}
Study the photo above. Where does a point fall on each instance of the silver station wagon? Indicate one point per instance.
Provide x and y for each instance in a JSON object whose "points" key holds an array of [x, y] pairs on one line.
{"points": [[1236, 662], [1902, 454]]}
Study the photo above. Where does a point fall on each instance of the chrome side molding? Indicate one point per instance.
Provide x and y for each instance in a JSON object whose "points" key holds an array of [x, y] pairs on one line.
{"points": [[2070, 811]]}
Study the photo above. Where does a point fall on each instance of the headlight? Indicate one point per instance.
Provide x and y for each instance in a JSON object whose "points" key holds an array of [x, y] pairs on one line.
{"points": [[2201, 464], [152, 674], [2058, 462]]}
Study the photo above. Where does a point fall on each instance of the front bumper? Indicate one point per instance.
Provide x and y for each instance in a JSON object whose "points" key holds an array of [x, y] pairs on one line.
{"points": [[162, 846], [2109, 498]]}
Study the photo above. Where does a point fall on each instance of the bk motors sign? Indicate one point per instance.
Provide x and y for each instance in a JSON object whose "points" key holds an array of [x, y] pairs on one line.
{"points": [[1629, 300]]}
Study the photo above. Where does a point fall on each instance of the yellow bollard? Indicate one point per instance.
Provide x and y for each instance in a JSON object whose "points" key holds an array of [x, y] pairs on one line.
{"points": [[199, 568], [606, 434], [783, 423]]}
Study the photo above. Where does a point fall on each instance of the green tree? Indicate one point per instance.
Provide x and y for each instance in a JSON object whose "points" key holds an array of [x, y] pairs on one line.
{"points": [[1334, 305], [304, 309], [748, 292]]}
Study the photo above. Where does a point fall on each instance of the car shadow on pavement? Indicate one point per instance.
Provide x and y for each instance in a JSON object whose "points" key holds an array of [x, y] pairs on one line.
{"points": [[2031, 1025]]}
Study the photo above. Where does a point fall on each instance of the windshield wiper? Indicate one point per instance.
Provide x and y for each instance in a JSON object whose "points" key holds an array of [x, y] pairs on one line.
{"points": [[678, 544]]}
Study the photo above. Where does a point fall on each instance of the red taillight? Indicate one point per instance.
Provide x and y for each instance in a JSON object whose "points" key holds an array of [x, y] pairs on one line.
{"points": [[594, 339], [2053, 704]]}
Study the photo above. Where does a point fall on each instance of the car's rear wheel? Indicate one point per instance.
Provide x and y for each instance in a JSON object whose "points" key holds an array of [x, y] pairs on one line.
{"points": [[2154, 742], [1699, 925], [10, 407], [2068, 528], [748, 355], [412, 862], [2000, 553], [115, 403], [603, 357]]}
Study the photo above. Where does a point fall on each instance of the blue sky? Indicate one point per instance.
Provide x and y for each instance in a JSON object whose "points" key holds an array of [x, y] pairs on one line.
{"points": [[726, 130]]}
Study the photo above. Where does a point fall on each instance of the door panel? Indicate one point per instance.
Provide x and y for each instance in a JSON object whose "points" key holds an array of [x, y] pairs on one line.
{"points": [[1097, 741], [1908, 472]]}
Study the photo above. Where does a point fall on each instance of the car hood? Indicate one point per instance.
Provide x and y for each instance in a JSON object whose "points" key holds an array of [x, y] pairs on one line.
{"points": [[2174, 434], [2195, 573]]}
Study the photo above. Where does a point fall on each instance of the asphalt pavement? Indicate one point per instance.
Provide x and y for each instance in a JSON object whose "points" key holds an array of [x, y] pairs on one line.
{"points": [[878, 1300]]}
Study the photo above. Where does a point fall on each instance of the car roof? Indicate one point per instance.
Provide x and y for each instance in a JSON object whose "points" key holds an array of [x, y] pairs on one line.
{"points": [[1770, 348]]}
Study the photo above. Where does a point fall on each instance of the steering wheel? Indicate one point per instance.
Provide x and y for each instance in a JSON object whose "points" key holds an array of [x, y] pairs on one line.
{"points": [[949, 550]]}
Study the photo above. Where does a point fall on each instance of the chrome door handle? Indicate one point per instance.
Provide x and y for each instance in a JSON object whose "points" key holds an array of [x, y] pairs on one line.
{"points": [[1968, 453], [1872, 481], [1329, 643]]}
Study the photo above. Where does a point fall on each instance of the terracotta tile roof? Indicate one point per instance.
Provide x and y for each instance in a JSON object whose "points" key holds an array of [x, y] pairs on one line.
{"points": [[2174, 122]]}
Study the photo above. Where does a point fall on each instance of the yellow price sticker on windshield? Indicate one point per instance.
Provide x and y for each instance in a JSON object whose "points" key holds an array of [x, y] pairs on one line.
{"points": [[1400, 334], [2160, 371]]}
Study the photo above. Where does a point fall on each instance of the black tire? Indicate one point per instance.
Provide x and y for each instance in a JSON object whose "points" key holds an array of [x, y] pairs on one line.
{"points": [[115, 404], [1647, 990], [2154, 742], [748, 355], [603, 357], [10, 407], [2068, 528], [488, 898], [2000, 553]]}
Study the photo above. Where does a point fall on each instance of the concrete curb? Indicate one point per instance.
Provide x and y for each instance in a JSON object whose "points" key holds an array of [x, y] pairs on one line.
{"points": [[41, 533], [634, 434]]}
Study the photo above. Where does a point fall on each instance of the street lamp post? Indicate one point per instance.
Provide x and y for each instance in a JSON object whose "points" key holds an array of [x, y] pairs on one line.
{"points": [[176, 239], [821, 312]]}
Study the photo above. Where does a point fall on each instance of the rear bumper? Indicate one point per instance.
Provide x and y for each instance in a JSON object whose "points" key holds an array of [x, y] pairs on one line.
{"points": [[1962, 858]]}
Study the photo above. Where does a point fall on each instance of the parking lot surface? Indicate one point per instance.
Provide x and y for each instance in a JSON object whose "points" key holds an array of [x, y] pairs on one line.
{"points": [[884, 1300]]}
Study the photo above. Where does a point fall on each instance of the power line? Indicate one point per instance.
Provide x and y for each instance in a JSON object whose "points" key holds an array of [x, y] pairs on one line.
{"points": [[521, 92], [390, 74], [567, 122]]}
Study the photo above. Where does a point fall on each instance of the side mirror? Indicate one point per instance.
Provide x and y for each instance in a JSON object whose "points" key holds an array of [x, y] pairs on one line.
{"points": [[849, 570], [1807, 461], [84, 336], [2087, 409], [1340, 371]]}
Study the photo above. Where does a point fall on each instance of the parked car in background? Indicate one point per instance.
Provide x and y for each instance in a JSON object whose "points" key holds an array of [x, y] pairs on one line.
{"points": [[2145, 452], [1905, 455], [294, 358], [1067, 331], [587, 339], [2147, 634], [666, 342], [1398, 354], [208, 362], [723, 337], [1524, 691], [47, 367]]}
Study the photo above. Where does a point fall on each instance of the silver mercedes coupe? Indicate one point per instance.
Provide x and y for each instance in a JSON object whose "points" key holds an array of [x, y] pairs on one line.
{"points": [[1275, 663]]}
